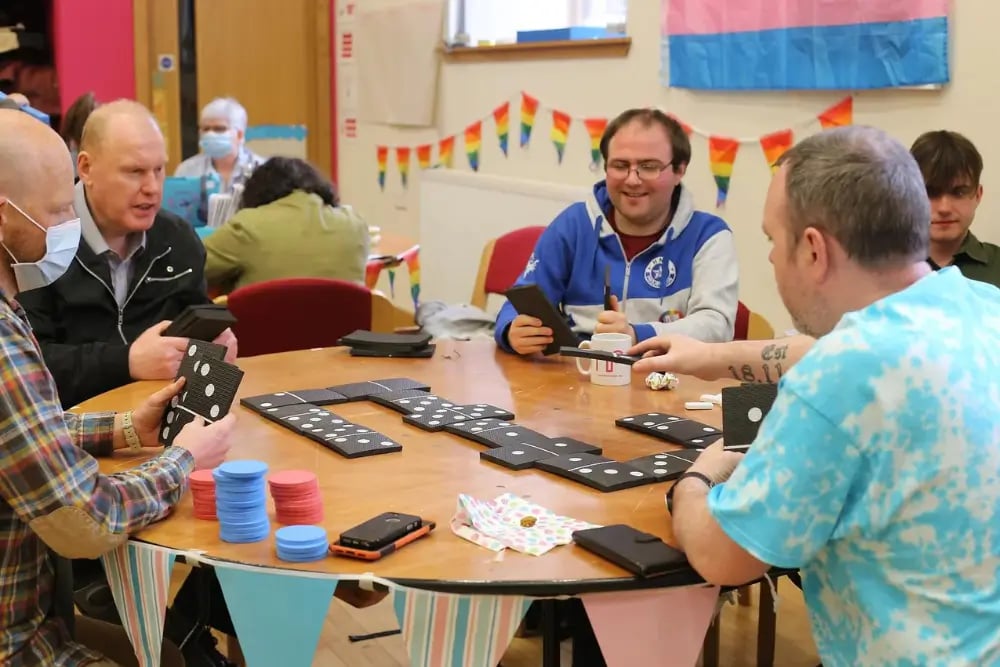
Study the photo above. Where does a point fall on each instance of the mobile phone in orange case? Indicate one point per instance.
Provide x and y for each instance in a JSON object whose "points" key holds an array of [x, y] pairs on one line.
{"points": [[338, 549]]}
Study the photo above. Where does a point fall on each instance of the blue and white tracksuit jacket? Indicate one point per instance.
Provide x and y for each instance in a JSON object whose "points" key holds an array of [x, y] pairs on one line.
{"points": [[687, 282]]}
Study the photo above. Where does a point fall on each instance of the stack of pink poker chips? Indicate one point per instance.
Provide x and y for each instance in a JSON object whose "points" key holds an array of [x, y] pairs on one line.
{"points": [[297, 500], [203, 493]]}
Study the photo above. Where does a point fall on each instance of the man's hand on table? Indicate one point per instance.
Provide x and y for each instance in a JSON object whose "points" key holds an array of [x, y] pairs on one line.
{"points": [[675, 354]]}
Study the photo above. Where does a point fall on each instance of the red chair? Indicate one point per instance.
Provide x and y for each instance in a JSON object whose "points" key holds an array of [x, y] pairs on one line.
{"points": [[750, 325], [303, 313], [503, 262]]}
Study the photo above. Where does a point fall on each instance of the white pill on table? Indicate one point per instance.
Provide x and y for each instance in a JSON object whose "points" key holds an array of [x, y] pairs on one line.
{"points": [[698, 405]]}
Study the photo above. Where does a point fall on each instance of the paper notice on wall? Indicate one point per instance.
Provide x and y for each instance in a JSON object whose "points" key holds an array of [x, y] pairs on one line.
{"points": [[347, 12]]}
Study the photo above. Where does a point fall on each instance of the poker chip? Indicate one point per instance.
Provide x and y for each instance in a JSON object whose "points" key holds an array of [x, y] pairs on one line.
{"points": [[297, 500], [202, 486], [241, 501], [301, 543]]}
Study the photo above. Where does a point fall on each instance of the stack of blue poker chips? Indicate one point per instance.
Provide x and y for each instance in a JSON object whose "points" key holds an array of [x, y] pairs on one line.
{"points": [[301, 544], [241, 501]]}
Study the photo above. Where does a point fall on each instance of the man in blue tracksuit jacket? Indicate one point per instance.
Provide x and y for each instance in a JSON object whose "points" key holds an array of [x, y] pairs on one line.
{"points": [[673, 269]]}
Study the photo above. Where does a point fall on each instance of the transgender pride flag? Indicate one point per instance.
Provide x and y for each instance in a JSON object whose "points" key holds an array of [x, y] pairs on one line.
{"points": [[804, 44]]}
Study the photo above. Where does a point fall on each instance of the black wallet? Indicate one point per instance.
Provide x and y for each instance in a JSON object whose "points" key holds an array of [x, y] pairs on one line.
{"points": [[743, 410], [201, 322], [640, 553]]}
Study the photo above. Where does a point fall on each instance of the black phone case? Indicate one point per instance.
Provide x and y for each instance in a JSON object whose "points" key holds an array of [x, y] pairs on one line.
{"points": [[600, 355], [420, 353], [380, 531], [531, 300], [640, 553]]}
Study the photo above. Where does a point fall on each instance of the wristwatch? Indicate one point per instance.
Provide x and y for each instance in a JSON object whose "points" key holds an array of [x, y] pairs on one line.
{"points": [[131, 435], [670, 494]]}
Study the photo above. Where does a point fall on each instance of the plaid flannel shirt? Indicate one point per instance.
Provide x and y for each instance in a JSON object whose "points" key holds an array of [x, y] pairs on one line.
{"points": [[45, 465]]}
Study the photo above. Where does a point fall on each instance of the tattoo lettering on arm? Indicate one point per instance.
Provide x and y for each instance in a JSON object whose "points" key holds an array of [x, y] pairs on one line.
{"points": [[745, 374]]}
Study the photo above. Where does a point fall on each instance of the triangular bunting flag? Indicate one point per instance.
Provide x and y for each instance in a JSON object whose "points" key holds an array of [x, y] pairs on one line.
{"points": [[457, 630], [473, 142], [684, 126], [446, 151], [721, 155], [774, 145], [139, 576], [529, 106], [560, 131], [412, 259], [595, 128], [501, 115], [382, 154], [630, 626], [392, 282], [403, 162], [278, 617], [840, 114], [424, 156]]}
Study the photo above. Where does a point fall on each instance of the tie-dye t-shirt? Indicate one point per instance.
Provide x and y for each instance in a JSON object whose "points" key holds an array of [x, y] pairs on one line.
{"points": [[877, 472]]}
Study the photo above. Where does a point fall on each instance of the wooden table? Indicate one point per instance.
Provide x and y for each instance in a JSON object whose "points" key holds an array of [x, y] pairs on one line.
{"points": [[434, 468]]}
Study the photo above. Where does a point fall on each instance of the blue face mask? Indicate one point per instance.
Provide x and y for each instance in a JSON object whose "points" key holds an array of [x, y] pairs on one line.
{"points": [[61, 243], [216, 144]]}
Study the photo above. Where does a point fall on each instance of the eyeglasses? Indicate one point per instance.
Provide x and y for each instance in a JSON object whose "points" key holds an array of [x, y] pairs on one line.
{"points": [[646, 171]]}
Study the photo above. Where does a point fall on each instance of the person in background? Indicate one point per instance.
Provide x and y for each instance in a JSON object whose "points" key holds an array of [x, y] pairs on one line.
{"points": [[223, 156], [875, 471], [54, 502], [137, 268], [671, 268], [73, 122], [291, 225]]}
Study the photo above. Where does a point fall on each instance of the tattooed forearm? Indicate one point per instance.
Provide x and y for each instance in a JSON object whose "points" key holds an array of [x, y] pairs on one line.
{"points": [[768, 373], [774, 352]]}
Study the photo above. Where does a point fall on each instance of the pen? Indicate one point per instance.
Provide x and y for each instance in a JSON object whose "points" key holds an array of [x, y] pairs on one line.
{"points": [[607, 288]]}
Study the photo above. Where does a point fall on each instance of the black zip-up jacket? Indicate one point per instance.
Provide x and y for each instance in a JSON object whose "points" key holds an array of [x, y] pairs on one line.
{"points": [[85, 337]]}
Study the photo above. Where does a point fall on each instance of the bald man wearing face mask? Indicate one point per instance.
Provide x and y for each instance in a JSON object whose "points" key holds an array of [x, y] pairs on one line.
{"points": [[54, 502]]}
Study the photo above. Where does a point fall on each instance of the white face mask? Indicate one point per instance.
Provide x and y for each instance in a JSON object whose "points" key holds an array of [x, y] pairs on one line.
{"points": [[61, 243]]}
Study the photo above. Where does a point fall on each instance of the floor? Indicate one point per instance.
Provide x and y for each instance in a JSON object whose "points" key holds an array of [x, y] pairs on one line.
{"points": [[794, 645]]}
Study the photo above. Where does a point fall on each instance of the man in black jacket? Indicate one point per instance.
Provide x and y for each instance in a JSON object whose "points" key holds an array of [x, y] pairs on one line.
{"points": [[136, 269]]}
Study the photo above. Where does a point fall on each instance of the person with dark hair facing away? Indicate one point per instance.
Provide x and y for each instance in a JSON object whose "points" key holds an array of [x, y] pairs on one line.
{"points": [[73, 122], [291, 225], [672, 269]]}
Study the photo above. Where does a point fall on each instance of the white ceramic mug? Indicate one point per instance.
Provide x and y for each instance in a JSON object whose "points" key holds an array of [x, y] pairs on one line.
{"points": [[606, 373]]}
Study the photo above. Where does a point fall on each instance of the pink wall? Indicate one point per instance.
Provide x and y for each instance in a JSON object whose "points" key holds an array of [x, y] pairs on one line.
{"points": [[93, 44]]}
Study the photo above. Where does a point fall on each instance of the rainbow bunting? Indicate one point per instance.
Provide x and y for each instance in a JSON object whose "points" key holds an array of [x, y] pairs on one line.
{"points": [[560, 131], [684, 126], [529, 106], [721, 155], [501, 115], [412, 259], [424, 156], [774, 145], [446, 151], [473, 142], [595, 128], [840, 114], [403, 161], [382, 153]]}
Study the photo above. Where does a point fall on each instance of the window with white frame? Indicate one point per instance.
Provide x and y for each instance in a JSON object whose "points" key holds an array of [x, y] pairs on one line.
{"points": [[473, 22]]}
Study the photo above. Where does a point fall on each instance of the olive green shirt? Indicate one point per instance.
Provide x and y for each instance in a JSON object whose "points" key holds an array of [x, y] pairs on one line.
{"points": [[297, 236], [976, 260]]}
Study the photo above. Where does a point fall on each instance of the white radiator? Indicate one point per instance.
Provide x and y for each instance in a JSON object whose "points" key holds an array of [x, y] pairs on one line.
{"points": [[460, 211]]}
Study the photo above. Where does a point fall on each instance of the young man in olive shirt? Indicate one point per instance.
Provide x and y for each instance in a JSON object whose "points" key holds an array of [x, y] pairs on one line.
{"points": [[952, 166]]}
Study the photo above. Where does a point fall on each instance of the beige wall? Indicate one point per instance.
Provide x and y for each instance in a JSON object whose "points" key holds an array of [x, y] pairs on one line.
{"points": [[604, 87]]}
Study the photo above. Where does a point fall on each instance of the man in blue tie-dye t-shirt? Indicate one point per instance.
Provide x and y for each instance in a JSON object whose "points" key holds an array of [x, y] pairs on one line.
{"points": [[877, 471]]}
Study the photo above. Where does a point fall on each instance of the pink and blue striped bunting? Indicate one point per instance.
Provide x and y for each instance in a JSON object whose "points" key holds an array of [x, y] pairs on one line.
{"points": [[457, 630], [804, 44], [139, 576]]}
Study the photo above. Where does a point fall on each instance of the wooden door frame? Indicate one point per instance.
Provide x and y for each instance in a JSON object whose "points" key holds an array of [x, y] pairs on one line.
{"points": [[156, 29]]}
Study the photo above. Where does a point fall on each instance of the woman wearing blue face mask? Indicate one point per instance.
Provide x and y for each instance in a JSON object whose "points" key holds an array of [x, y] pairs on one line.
{"points": [[224, 159]]}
